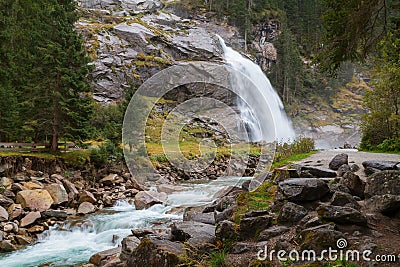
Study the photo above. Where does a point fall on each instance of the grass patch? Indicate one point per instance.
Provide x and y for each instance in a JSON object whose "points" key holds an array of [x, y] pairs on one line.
{"points": [[260, 199], [299, 149], [78, 159], [217, 259], [28, 154], [292, 159]]}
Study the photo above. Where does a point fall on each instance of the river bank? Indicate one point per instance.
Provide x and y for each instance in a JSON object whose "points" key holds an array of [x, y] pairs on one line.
{"points": [[301, 206]]}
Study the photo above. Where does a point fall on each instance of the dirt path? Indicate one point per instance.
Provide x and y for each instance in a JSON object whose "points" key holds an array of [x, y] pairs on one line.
{"points": [[323, 157]]}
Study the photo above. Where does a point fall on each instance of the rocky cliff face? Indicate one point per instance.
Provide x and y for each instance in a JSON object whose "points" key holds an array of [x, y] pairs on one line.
{"points": [[129, 41], [264, 35]]}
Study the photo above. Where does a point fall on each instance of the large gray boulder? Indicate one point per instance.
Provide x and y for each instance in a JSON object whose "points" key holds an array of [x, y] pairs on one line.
{"points": [[86, 207], [226, 231], [57, 193], [302, 189], [354, 183], [272, 232], [338, 161], [153, 251], [30, 218], [98, 257], [345, 200], [341, 215], [199, 235], [318, 172], [195, 214], [385, 204], [381, 183], [343, 169], [250, 227], [382, 165], [291, 213], [136, 34], [128, 246], [86, 196], [319, 238], [195, 43]]}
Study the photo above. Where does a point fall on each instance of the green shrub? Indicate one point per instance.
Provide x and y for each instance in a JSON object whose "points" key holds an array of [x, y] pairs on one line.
{"points": [[105, 154], [390, 144], [79, 159], [299, 146]]}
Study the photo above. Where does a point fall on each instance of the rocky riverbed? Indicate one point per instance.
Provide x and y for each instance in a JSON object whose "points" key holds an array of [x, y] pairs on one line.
{"points": [[32, 201], [311, 208]]}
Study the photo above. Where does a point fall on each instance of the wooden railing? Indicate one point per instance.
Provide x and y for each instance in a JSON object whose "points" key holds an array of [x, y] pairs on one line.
{"points": [[34, 147]]}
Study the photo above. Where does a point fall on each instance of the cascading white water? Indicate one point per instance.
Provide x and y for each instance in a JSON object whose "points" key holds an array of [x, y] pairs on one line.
{"points": [[74, 245], [257, 90]]}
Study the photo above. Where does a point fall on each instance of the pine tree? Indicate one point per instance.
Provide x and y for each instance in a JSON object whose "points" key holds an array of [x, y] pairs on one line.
{"points": [[353, 29], [44, 72], [10, 54], [67, 106]]}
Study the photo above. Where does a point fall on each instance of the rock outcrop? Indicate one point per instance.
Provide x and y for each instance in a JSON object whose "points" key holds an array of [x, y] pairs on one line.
{"points": [[139, 39]]}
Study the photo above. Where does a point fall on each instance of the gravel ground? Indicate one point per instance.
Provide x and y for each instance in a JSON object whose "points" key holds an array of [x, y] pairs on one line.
{"points": [[323, 157]]}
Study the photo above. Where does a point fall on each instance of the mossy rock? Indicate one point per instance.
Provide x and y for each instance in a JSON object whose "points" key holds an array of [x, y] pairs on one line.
{"points": [[157, 252]]}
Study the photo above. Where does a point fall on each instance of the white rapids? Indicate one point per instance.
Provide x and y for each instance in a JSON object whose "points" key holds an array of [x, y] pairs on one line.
{"points": [[74, 245]]}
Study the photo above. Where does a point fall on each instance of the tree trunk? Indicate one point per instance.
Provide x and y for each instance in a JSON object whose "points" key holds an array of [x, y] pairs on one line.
{"points": [[245, 39], [56, 115]]}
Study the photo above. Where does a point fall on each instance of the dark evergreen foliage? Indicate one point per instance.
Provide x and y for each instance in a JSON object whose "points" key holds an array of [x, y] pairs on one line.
{"points": [[45, 72]]}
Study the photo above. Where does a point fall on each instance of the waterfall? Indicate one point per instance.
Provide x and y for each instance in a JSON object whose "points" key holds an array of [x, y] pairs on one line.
{"points": [[275, 126]]}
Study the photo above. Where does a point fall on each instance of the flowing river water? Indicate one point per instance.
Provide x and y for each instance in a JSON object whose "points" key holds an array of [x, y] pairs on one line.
{"points": [[76, 241]]}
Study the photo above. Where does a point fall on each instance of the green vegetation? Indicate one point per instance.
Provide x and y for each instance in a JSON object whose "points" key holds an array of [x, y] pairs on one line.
{"points": [[259, 199], [358, 30], [298, 149], [341, 263], [217, 259], [291, 159], [43, 73], [381, 126]]}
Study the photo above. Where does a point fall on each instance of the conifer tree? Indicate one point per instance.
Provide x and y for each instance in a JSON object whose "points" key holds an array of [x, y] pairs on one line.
{"points": [[44, 71]]}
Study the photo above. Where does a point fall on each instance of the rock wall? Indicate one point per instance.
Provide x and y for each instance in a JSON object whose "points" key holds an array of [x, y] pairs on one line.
{"points": [[129, 41], [264, 36]]}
